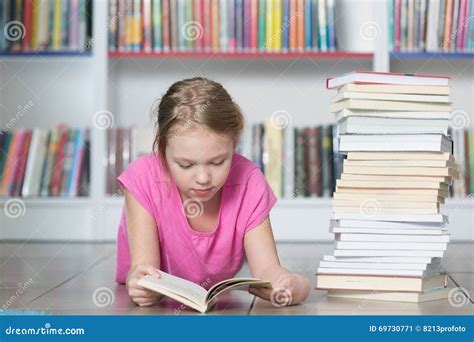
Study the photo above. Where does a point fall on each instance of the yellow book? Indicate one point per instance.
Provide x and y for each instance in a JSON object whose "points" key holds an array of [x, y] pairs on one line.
{"points": [[57, 25], [277, 25], [129, 26], [137, 24], [34, 25], [273, 151], [269, 41]]}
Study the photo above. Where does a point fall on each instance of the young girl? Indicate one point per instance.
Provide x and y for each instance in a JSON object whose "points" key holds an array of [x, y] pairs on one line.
{"points": [[194, 207]]}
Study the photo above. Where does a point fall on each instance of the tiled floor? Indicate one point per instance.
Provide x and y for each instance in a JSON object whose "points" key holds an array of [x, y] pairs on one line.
{"points": [[73, 278]]}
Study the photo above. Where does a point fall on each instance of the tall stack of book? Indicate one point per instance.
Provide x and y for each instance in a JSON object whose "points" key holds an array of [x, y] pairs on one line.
{"points": [[389, 231]]}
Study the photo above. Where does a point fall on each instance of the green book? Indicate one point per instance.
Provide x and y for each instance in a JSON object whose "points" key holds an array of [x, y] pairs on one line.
{"points": [[156, 25], [261, 24]]}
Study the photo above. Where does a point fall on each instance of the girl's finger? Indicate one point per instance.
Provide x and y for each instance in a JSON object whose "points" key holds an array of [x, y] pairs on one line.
{"points": [[136, 292]]}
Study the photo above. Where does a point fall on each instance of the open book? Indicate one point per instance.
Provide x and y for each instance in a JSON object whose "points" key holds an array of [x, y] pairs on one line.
{"points": [[193, 295]]}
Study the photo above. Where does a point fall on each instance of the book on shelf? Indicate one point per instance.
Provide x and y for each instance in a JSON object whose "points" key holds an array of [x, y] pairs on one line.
{"points": [[124, 145], [431, 25], [387, 201], [54, 26], [297, 161], [222, 26], [39, 162], [193, 295]]}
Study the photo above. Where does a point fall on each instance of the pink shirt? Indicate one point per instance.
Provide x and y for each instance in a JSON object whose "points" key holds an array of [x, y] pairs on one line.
{"points": [[204, 258]]}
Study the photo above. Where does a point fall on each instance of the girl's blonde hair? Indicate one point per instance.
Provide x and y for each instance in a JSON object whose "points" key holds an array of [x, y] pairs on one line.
{"points": [[196, 100]]}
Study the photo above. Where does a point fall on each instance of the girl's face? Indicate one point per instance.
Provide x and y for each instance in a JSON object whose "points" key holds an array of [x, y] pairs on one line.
{"points": [[199, 161]]}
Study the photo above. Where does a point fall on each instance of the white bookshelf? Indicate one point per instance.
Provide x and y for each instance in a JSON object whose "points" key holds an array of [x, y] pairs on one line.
{"points": [[127, 87]]}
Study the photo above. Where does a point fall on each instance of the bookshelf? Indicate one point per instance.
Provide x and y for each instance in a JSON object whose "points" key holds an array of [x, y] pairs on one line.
{"points": [[127, 83]]}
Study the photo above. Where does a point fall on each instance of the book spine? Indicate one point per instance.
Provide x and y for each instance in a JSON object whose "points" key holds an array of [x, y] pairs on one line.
{"points": [[277, 25], [231, 25], [269, 26], [323, 36], [74, 25], [223, 20], [300, 23], [198, 19], [246, 25], [166, 25], [58, 163], [254, 25], [286, 26], [157, 25], [307, 23], [215, 25], [293, 26], [146, 28], [189, 20], [261, 24], [239, 25]]}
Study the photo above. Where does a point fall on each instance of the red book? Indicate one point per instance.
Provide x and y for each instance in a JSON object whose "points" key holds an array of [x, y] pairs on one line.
{"points": [[253, 25], [372, 77], [15, 162], [396, 24], [207, 25], [461, 24], [198, 19], [166, 25], [27, 20], [293, 25], [59, 162], [20, 172]]}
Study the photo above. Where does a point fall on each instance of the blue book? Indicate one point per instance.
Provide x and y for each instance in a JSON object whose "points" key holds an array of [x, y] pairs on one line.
{"points": [[331, 26], [239, 24], [308, 13], [79, 141], [286, 25]]}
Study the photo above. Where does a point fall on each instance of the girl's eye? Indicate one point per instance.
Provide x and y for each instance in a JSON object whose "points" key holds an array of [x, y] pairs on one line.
{"points": [[218, 163], [185, 166]]}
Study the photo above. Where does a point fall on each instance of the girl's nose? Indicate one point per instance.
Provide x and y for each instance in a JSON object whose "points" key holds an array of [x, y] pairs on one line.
{"points": [[203, 176]]}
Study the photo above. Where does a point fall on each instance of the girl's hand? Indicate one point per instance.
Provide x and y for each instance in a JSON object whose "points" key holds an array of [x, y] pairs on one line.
{"points": [[289, 289], [140, 295]]}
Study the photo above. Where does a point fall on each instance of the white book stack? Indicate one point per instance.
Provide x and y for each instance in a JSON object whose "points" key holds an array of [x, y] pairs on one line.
{"points": [[389, 232]]}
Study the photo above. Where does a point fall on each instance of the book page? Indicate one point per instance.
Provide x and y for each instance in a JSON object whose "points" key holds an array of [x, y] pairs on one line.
{"points": [[234, 284], [180, 286]]}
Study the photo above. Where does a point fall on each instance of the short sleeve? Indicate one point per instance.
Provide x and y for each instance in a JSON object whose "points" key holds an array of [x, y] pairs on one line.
{"points": [[137, 179], [260, 199]]}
